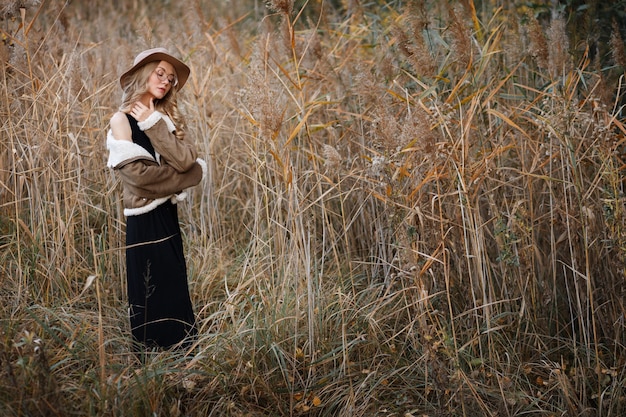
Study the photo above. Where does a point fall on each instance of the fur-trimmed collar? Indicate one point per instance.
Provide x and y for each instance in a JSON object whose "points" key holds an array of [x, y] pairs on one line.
{"points": [[154, 118]]}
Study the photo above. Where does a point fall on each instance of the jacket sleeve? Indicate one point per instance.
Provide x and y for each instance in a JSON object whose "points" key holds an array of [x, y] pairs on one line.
{"points": [[150, 180], [179, 154]]}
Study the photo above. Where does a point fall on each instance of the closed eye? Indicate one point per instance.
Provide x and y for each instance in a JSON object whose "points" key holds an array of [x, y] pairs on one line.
{"points": [[161, 72]]}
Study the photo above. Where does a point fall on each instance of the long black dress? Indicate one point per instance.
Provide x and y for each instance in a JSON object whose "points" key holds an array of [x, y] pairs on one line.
{"points": [[161, 314]]}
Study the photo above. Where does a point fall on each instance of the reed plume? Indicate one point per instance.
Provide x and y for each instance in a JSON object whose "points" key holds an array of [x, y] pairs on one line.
{"points": [[559, 62], [461, 38], [616, 42], [281, 6], [538, 43]]}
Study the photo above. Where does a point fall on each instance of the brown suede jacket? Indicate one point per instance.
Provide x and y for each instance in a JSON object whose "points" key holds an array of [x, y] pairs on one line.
{"points": [[147, 181]]}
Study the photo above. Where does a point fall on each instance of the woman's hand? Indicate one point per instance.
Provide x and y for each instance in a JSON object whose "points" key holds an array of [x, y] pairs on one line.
{"points": [[141, 112]]}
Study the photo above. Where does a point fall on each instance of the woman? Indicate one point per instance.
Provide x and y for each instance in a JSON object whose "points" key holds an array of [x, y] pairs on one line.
{"points": [[156, 163]]}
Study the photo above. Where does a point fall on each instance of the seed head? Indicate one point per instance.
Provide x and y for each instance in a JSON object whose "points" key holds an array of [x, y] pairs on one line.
{"points": [[281, 6], [538, 44], [558, 47], [332, 156], [617, 46]]}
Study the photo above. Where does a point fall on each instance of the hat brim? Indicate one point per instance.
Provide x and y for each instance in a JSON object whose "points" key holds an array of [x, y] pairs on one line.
{"points": [[182, 70]]}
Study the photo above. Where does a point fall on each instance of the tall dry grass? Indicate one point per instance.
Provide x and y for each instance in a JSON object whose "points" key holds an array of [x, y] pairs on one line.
{"points": [[410, 210]]}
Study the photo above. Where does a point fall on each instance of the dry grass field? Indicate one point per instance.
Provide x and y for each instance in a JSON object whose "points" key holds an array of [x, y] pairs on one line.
{"points": [[412, 209]]}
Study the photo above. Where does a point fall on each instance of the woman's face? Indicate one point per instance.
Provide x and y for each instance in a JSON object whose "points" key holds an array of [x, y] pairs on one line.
{"points": [[161, 80]]}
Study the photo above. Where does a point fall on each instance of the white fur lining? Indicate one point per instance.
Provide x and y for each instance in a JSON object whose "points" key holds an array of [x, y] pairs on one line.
{"points": [[202, 164], [174, 199], [154, 118], [145, 209], [122, 150], [179, 197]]}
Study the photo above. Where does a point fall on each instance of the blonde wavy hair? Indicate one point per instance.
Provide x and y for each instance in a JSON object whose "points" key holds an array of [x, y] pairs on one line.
{"points": [[137, 85]]}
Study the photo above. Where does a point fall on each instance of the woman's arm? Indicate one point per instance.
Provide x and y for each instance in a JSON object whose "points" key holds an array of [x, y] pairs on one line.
{"points": [[180, 154], [149, 180]]}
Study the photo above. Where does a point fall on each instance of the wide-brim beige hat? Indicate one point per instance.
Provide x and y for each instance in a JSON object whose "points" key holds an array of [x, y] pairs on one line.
{"points": [[158, 54]]}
